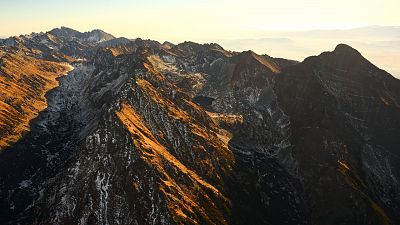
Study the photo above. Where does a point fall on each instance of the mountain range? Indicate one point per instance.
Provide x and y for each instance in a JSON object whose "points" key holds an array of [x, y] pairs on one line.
{"points": [[379, 44], [96, 129]]}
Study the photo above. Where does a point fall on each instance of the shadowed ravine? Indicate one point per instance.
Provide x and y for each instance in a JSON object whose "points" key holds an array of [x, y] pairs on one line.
{"points": [[32, 164]]}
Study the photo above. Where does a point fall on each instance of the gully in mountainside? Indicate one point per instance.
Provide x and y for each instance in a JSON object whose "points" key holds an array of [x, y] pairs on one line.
{"points": [[32, 164]]}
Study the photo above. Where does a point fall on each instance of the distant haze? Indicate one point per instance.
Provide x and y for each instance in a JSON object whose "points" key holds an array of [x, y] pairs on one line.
{"points": [[180, 20], [380, 45], [278, 28]]}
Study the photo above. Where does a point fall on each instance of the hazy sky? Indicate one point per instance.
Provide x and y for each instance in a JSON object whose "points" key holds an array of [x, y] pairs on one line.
{"points": [[199, 20], [260, 25]]}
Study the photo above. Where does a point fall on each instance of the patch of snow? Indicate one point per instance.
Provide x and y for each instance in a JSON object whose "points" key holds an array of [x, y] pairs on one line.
{"points": [[25, 184]]}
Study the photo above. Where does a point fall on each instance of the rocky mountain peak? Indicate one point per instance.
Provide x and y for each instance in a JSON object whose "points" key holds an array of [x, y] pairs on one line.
{"points": [[64, 32], [343, 58], [346, 53], [94, 36], [344, 48], [98, 35], [168, 45], [251, 58], [192, 47]]}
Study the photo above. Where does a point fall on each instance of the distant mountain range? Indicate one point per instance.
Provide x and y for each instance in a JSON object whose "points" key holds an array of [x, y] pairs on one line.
{"points": [[142, 132], [381, 44]]}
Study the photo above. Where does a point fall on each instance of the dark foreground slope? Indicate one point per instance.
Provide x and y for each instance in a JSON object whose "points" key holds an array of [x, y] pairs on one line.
{"points": [[148, 133], [331, 121], [346, 135]]}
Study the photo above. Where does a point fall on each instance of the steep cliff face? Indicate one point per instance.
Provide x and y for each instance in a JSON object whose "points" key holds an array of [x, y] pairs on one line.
{"points": [[155, 156], [330, 121], [345, 121], [231, 85], [139, 144]]}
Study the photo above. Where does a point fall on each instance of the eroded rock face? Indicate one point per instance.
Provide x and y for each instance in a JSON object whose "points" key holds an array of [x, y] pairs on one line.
{"points": [[308, 117], [148, 133], [345, 122], [158, 159], [150, 152], [236, 82]]}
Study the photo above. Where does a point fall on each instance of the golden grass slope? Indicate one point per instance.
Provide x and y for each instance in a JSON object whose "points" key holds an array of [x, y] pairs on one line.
{"points": [[187, 201], [24, 81]]}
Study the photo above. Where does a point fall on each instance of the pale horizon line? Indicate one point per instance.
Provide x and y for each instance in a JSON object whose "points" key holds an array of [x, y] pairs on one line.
{"points": [[267, 31]]}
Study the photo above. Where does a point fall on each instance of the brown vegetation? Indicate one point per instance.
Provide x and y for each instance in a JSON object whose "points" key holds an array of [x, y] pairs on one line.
{"points": [[189, 199], [355, 182], [24, 81]]}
